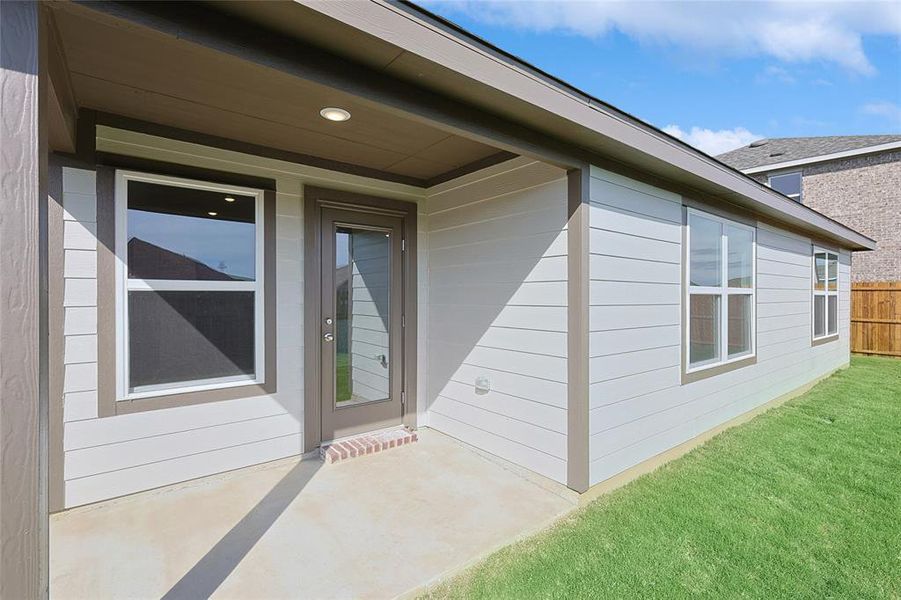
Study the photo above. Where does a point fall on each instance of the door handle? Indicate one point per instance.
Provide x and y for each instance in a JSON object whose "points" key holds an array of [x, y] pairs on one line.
{"points": [[328, 337]]}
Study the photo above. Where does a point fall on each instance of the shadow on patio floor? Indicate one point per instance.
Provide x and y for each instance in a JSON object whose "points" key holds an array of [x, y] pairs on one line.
{"points": [[374, 527], [209, 573]]}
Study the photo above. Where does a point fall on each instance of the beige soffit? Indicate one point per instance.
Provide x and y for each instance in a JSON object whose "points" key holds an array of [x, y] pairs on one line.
{"points": [[516, 89]]}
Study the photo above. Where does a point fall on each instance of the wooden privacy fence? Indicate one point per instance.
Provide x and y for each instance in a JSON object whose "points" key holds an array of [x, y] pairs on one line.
{"points": [[876, 318]]}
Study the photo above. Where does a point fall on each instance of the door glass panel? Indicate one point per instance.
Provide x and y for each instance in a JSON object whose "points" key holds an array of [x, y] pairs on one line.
{"points": [[362, 315]]}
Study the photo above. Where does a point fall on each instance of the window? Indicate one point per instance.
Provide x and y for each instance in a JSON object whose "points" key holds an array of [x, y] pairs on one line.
{"points": [[189, 279], [720, 280], [788, 184], [825, 293]]}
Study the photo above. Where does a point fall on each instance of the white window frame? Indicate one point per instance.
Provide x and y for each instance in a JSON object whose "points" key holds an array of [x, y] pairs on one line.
{"points": [[723, 291], [795, 197], [124, 284], [826, 293]]}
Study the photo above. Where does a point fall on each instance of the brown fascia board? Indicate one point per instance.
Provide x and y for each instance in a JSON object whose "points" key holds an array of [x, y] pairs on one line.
{"points": [[417, 31]]}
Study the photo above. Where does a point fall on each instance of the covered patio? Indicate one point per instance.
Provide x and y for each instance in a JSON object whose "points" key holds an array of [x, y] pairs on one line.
{"points": [[316, 122], [239, 231], [301, 529]]}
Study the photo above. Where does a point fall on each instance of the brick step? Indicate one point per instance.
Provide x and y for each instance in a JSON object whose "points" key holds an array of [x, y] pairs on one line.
{"points": [[368, 443]]}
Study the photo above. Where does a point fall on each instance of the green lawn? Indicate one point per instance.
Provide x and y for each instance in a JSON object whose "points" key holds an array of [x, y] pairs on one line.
{"points": [[342, 376], [802, 502]]}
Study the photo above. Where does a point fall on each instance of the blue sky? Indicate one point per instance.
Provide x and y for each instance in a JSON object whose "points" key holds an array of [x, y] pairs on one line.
{"points": [[717, 74]]}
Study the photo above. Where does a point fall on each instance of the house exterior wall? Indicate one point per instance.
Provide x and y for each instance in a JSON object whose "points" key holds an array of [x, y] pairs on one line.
{"points": [[492, 326], [638, 406], [111, 456], [497, 313], [864, 193]]}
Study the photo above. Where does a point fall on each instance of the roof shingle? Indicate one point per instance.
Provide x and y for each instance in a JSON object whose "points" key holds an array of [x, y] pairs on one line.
{"points": [[778, 150]]}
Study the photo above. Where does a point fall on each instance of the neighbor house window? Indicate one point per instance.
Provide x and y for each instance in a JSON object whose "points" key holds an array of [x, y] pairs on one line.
{"points": [[788, 184], [189, 275], [720, 279], [825, 293]]}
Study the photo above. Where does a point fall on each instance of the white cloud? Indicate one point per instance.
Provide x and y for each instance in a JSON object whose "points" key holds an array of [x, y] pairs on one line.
{"points": [[884, 108], [776, 74], [713, 142], [785, 30]]}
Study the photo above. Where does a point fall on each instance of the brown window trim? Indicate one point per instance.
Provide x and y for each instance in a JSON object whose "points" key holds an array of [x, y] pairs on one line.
{"points": [[713, 371], [719, 369], [314, 199], [824, 340], [108, 405], [724, 210], [816, 245]]}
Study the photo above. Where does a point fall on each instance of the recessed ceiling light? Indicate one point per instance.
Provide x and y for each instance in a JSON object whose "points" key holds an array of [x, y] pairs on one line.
{"points": [[229, 199], [212, 213], [334, 114]]}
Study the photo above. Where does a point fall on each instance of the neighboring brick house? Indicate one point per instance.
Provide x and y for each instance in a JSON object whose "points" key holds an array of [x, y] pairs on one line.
{"points": [[853, 179]]}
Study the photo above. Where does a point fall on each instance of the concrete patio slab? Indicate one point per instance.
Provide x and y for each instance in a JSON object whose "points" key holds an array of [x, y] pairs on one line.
{"points": [[374, 527]]}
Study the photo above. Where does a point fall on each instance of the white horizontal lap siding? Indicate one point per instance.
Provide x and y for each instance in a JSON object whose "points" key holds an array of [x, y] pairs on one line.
{"points": [[80, 294], [118, 455], [497, 298], [638, 406], [113, 456]]}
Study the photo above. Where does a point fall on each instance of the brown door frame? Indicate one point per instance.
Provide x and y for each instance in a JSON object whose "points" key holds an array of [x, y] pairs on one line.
{"points": [[353, 419], [315, 199]]}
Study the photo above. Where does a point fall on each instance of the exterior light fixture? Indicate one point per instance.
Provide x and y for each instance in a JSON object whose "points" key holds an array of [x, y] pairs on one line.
{"points": [[334, 114], [229, 199]]}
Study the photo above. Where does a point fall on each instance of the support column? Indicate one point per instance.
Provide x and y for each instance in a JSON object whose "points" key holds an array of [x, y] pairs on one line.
{"points": [[23, 305], [577, 329]]}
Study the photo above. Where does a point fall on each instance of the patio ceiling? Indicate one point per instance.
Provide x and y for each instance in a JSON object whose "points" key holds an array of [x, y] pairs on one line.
{"points": [[123, 69], [430, 102]]}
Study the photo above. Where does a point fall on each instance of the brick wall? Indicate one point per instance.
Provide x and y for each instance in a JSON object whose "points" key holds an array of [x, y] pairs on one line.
{"points": [[864, 193]]}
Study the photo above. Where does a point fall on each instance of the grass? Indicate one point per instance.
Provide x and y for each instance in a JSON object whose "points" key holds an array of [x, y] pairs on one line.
{"points": [[342, 376], [802, 502]]}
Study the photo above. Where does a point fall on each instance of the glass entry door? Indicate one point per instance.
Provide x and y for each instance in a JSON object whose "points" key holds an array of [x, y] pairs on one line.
{"points": [[361, 322]]}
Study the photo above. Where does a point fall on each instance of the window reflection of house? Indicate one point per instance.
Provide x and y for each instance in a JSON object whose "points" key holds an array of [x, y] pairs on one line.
{"points": [[144, 257]]}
